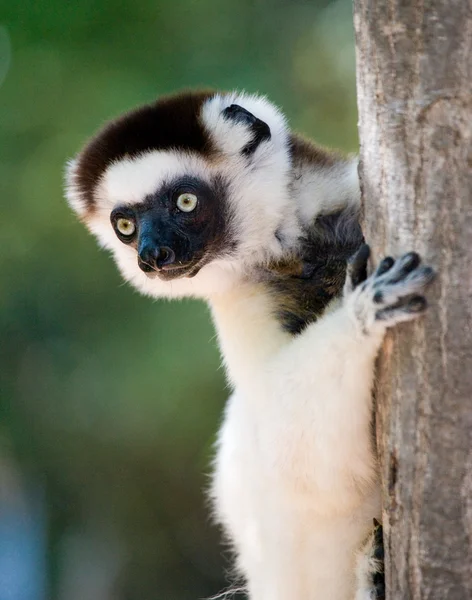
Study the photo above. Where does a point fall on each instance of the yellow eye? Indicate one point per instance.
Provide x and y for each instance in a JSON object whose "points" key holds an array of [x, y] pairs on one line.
{"points": [[125, 226], [187, 202]]}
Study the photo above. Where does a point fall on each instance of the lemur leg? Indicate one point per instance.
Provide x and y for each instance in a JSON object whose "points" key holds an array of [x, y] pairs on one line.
{"points": [[370, 567]]}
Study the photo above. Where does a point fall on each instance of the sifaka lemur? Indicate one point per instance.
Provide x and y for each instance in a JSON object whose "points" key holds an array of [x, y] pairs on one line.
{"points": [[210, 195]]}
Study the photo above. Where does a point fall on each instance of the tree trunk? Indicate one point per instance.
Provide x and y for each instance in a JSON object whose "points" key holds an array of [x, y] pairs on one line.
{"points": [[414, 75]]}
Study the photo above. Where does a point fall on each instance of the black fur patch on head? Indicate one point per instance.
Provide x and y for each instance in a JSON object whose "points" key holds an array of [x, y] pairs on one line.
{"points": [[260, 130], [303, 286], [170, 122]]}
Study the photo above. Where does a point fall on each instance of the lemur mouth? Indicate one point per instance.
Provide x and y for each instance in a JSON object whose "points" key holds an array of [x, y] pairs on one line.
{"points": [[171, 272], [178, 272], [173, 267]]}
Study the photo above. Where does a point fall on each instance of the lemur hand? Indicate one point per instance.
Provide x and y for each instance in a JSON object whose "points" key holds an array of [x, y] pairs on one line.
{"points": [[392, 294]]}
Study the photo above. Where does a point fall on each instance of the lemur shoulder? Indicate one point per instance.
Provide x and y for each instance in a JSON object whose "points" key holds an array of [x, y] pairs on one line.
{"points": [[210, 195]]}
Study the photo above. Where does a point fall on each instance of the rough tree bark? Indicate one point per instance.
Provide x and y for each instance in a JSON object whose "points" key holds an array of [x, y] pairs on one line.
{"points": [[414, 73]]}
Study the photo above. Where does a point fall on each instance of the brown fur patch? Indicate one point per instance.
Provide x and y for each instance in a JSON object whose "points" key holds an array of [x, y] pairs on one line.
{"points": [[301, 300], [306, 151], [302, 286]]}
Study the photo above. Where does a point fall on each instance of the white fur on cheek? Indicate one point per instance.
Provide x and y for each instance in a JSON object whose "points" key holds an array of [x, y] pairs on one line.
{"points": [[218, 276], [73, 195], [102, 229]]}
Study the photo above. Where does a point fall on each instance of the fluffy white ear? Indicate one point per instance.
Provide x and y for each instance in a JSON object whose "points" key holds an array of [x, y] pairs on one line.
{"points": [[230, 136], [73, 194], [239, 122]]}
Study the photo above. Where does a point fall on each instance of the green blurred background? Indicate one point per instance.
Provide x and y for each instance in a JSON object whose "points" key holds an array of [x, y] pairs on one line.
{"points": [[109, 401]]}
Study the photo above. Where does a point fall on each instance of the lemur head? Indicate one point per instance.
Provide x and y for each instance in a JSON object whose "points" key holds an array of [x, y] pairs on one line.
{"points": [[189, 191]]}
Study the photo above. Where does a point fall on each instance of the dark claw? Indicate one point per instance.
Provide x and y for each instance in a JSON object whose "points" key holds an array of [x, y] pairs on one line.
{"points": [[385, 265], [429, 274], [410, 261], [378, 297], [358, 265], [417, 304]]}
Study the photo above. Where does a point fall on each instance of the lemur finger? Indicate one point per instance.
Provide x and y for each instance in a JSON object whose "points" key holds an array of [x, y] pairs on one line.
{"points": [[385, 265], [403, 312], [391, 291], [406, 264], [417, 304], [357, 267], [428, 274]]}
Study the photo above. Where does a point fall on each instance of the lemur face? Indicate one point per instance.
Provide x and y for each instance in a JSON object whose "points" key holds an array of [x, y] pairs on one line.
{"points": [[188, 183], [177, 229]]}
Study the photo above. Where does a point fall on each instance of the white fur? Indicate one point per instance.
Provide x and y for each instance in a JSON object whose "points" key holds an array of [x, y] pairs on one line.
{"points": [[326, 189], [130, 180], [295, 482], [258, 195], [233, 136], [73, 195], [268, 180]]}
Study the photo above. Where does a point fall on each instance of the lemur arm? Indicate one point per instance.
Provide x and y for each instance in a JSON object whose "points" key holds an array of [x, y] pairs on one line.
{"points": [[295, 474], [335, 358], [325, 374]]}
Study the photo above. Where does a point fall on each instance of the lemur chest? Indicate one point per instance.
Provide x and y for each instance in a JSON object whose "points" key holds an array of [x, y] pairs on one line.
{"points": [[275, 441], [272, 436]]}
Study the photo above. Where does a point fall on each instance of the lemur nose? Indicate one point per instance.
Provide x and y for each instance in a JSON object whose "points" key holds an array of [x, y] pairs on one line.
{"points": [[151, 257], [166, 257]]}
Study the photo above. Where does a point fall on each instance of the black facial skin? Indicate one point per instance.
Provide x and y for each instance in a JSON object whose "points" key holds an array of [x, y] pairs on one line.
{"points": [[171, 243]]}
